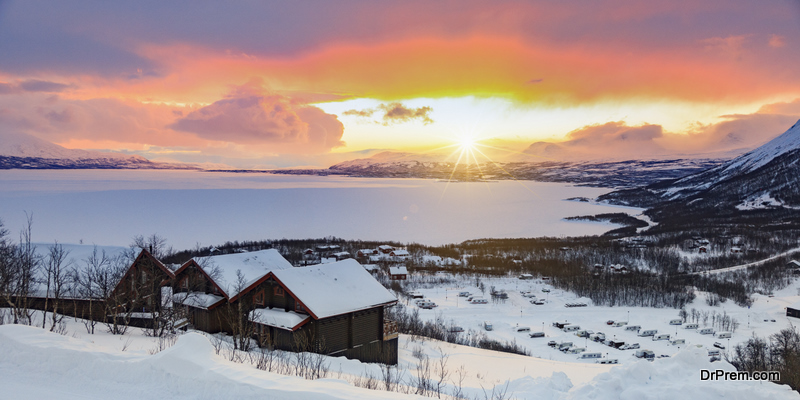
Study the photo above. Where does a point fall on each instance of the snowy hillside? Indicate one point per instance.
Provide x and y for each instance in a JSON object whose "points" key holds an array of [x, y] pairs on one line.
{"points": [[788, 142], [755, 185], [40, 364], [19, 144], [23, 151]]}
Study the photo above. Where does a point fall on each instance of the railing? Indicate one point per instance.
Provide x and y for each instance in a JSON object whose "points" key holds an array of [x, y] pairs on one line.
{"points": [[390, 330]]}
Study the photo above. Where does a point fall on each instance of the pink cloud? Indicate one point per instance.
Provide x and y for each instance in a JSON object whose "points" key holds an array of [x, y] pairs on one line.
{"points": [[251, 115]]}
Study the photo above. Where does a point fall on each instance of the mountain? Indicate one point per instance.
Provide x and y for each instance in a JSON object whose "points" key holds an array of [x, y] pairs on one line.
{"points": [[761, 185], [625, 173], [22, 151]]}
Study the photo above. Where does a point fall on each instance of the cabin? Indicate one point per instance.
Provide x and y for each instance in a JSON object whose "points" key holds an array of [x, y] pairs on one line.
{"points": [[334, 309], [525, 277], [399, 255], [793, 310], [398, 273], [205, 285], [366, 253], [385, 249], [341, 255], [139, 294]]}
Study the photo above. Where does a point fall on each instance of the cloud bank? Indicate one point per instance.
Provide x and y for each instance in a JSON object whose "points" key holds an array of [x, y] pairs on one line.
{"points": [[395, 113]]}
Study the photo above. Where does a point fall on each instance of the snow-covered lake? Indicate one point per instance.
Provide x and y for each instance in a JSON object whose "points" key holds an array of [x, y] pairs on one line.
{"points": [[109, 207]]}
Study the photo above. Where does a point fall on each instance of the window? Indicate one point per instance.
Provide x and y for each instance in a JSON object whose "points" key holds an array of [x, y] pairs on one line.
{"points": [[185, 282], [299, 307], [278, 291], [258, 299], [144, 276]]}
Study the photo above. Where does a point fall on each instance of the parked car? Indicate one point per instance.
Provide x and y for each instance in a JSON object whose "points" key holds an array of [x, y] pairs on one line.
{"points": [[719, 345], [545, 290]]}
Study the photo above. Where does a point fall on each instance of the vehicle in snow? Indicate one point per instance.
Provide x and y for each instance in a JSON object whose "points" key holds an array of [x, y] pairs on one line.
{"points": [[646, 354], [529, 294], [487, 325], [713, 353], [719, 345], [648, 332], [706, 331], [690, 326], [416, 295], [479, 300], [582, 333], [661, 336], [536, 334], [463, 294], [564, 345], [676, 322], [538, 302], [552, 343], [560, 325], [677, 342], [591, 355], [610, 322], [427, 304], [575, 350], [614, 343], [571, 328], [629, 346], [545, 290], [608, 361], [523, 329], [619, 323], [724, 335], [456, 329], [633, 328], [597, 337]]}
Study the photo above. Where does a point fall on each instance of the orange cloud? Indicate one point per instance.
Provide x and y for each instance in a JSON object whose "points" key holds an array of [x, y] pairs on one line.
{"points": [[476, 66]]}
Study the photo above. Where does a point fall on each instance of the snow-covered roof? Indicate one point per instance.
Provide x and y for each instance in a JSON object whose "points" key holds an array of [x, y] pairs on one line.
{"points": [[253, 265], [334, 289], [341, 254], [278, 318], [433, 259], [196, 299], [795, 306], [398, 270], [385, 247], [400, 252], [795, 263]]}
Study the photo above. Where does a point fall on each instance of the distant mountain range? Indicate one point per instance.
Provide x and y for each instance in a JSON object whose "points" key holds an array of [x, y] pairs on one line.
{"points": [[761, 187], [616, 174], [23, 151]]}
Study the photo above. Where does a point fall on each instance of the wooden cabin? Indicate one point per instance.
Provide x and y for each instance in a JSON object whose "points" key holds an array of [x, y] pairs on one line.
{"points": [[398, 273], [140, 291], [334, 309]]}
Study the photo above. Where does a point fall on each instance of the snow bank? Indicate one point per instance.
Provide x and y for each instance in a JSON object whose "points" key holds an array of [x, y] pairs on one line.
{"points": [[680, 375]]}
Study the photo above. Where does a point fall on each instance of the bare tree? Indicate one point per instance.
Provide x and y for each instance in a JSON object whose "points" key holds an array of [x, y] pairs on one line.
{"points": [[18, 269], [154, 244], [58, 281]]}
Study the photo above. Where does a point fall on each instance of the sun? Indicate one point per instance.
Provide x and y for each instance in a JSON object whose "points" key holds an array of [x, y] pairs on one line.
{"points": [[466, 143]]}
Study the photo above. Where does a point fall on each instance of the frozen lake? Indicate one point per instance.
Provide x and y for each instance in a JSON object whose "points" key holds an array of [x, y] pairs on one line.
{"points": [[109, 207]]}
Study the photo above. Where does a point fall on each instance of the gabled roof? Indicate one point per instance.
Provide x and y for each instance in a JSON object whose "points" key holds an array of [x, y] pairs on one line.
{"points": [[279, 318], [254, 266], [333, 289], [398, 270]]}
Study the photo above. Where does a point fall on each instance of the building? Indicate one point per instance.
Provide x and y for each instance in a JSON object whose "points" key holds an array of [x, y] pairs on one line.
{"points": [[334, 309], [793, 310], [398, 273], [205, 285]]}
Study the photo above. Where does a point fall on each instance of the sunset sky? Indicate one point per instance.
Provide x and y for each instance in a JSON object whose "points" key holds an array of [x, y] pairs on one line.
{"points": [[260, 84]]}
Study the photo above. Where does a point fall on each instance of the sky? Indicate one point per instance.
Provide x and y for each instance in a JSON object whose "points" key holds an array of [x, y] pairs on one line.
{"points": [[274, 84]]}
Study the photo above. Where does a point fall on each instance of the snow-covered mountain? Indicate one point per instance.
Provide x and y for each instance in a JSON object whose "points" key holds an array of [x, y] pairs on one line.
{"points": [[624, 173], [761, 186], [24, 151]]}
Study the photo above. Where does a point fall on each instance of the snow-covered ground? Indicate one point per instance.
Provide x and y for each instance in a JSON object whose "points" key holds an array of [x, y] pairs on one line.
{"points": [[36, 363], [517, 310]]}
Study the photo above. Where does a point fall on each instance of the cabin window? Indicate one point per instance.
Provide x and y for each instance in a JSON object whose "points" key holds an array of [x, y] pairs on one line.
{"points": [[299, 307], [278, 291], [258, 299], [143, 276], [185, 282]]}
